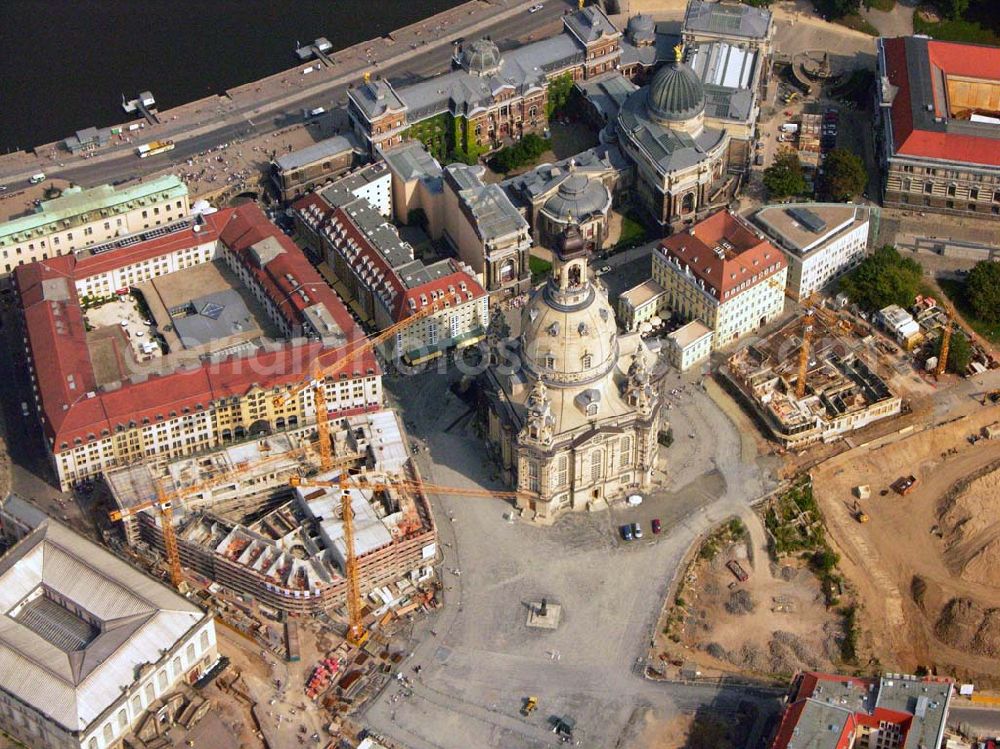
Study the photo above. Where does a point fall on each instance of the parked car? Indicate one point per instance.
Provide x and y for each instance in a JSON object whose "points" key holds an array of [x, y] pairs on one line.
{"points": [[634, 500], [535, 8], [626, 532], [636, 530], [656, 525], [24, 409]]}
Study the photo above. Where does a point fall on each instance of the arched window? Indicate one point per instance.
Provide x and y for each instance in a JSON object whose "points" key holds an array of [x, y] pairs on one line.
{"points": [[591, 409], [687, 204], [574, 275]]}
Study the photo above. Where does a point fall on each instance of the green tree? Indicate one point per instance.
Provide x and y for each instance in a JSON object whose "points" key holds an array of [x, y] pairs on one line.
{"points": [[844, 175], [883, 278], [837, 8], [982, 290], [954, 9], [959, 352], [558, 92], [784, 177]]}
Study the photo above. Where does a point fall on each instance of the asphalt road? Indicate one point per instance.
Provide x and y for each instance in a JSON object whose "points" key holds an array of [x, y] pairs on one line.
{"points": [[263, 117], [984, 722]]}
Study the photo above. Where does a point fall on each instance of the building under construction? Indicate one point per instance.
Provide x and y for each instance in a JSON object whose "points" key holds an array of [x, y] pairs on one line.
{"points": [[841, 391], [241, 524]]}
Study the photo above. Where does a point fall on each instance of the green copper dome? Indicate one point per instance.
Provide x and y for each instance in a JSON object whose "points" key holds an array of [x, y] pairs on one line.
{"points": [[675, 93]]}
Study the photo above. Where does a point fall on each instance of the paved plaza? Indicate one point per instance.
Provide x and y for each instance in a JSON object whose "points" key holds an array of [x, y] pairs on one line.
{"points": [[478, 659]]}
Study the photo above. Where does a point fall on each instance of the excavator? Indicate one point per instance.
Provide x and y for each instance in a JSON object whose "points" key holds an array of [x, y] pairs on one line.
{"points": [[860, 515]]}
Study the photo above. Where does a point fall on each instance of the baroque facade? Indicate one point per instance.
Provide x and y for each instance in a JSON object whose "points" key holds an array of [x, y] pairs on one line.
{"points": [[572, 414]]}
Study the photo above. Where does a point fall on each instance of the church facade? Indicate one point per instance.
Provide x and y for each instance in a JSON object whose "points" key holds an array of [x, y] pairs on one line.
{"points": [[571, 413]]}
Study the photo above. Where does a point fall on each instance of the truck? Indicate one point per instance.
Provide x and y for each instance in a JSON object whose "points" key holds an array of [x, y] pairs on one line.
{"points": [[737, 569], [789, 127], [310, 113], [154, 147]]}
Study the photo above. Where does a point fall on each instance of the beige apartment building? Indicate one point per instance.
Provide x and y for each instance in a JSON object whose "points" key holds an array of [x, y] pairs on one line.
{"points": [[722, 272], [83, 217]]}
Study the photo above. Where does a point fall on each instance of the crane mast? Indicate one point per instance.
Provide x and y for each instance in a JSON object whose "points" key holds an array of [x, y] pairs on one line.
{"points": [[800, 382]]}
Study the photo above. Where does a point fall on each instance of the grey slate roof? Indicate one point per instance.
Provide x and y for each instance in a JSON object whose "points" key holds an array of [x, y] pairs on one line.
{"points": [[545, 177], [578, 197], [140, 619], [667, 149], [491, 213], [211, 317], [411, 161], [727, 19], [607, 92], [382, 235], [376, 97], [590, 24], [675, 93], [323, 149], [463, 93]]}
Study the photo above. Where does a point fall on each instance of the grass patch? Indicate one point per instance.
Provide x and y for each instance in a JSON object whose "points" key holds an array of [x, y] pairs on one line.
{"points": [[955, 291], [858, 23], [539, 268], [633, 233], [955, 31], [883, 5]]}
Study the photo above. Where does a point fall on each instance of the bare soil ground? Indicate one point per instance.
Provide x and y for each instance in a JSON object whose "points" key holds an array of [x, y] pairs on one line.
{"points": [[774, 623], [680, 732], [923, 567]]}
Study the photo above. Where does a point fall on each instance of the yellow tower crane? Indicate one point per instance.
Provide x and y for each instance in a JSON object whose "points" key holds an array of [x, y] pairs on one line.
{"points": [[163, 502], [807, 329], [356, 633], [945, 343], [326, 364]]}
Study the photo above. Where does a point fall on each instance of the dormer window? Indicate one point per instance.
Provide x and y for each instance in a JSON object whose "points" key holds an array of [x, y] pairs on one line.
{"points": [[591, 409], [549, 361], [587, 361]]}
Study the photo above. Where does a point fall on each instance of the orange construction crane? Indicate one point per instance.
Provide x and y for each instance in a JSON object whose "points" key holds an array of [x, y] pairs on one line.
{"points": [[164, 503], [326, 363], [356, 633], [945, 343], [800, 382]]}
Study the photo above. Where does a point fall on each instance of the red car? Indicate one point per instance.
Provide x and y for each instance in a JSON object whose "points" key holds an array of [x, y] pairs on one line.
{"points": [[656, 525]]}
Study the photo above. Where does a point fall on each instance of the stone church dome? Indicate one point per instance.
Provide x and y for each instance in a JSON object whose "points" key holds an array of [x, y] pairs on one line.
{"points": [[568, 333], [578, 197], [481, 57], [675, 94]]}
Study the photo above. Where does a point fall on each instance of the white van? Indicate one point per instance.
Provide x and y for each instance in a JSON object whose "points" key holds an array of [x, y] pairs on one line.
{"points": [[37, 179]]}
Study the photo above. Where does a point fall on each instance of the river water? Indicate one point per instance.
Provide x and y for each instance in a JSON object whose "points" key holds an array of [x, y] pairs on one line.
{"points": [[66, 63]]}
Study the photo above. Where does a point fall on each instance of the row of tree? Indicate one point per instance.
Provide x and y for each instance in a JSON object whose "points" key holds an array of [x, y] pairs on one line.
{"points": [[844, 176]]}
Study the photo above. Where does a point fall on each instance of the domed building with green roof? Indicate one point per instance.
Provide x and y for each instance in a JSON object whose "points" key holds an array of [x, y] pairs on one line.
{"points": [[681, 163]]}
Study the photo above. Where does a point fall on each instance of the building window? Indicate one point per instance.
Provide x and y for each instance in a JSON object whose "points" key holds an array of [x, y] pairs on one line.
{"points": [[587, 361], [928, 187], [204, 641], [596, 465]]}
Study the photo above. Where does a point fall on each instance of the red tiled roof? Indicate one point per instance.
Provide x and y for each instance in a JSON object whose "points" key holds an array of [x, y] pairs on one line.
{"points": [[72, 405], [749, 256], [405, 302], [976, 61]]}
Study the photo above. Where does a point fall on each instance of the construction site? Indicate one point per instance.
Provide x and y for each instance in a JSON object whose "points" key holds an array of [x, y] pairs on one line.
{"points": [[815, 379], [922, 553], [240, 522]]}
